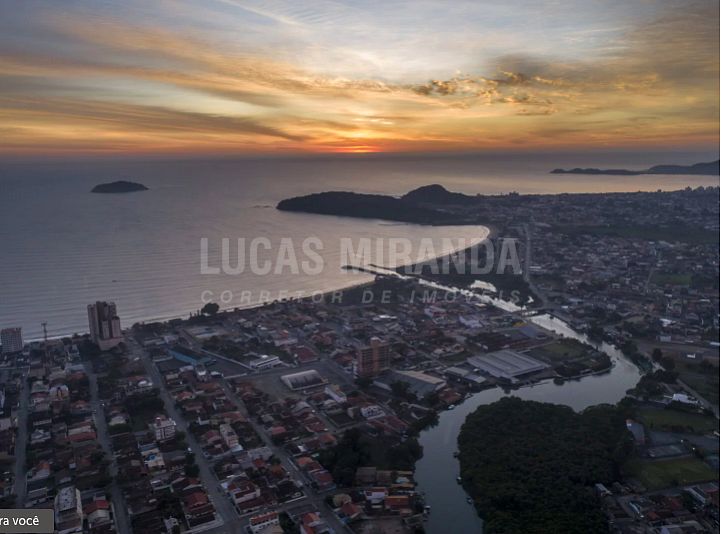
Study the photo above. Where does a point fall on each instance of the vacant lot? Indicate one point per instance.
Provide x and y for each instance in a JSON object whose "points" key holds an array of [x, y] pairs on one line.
{"points": [[658, 474], [707, 385], [677, 421]]}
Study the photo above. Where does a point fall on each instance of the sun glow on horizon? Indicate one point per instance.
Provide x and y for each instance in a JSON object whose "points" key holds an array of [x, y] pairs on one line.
{"points": [[346, 79]]}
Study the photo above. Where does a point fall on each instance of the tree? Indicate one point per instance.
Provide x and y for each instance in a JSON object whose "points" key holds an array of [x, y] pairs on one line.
{"points": [[211, 308], [656, 355], [530, 466], [363, 382], [192, 470], [287, 524], [402, 390]]}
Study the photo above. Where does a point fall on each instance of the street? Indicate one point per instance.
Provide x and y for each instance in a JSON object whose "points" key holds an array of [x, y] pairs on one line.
{"points": [[223, 507], [21, 444], [120, 512], [286, 461]]}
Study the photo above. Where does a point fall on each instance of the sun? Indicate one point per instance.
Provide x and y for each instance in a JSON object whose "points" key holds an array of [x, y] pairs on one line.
{"points": [[357, 149]]}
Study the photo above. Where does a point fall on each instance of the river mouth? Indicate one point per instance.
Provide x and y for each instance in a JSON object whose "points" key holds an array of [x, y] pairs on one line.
{"points": [[437, 471]]}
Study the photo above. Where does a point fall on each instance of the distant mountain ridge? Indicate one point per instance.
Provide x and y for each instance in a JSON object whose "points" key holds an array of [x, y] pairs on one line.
{"points": [[710, 168]]}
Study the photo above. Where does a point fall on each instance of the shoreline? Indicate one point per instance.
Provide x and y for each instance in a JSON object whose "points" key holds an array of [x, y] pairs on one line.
{"points": [[319, 294]]}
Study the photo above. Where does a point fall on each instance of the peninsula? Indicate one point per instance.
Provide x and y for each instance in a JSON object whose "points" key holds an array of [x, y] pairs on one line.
{"points": [[710, 168], [348, 204], [120, 186]]}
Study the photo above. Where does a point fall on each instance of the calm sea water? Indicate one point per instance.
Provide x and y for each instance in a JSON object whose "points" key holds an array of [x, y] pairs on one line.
{"points": [[63, 247]]}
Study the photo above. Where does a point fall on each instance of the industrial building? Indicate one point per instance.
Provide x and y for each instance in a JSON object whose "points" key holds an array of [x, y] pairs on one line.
{"points": [[420, 384], [506, 364]]}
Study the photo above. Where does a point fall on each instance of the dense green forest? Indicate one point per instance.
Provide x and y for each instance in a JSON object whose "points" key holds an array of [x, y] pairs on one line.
{"points": [[530, 466]]}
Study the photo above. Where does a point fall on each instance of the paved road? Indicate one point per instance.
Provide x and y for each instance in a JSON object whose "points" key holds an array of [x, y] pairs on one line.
{"points": [[120, 511], [224, 508], [21, 441], [285, 459], [233, 523], [527, 268]]}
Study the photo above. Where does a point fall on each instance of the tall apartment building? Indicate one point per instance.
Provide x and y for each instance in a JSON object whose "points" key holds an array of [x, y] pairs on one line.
{"points": [[373, 359], [104, 325], [11, 340]]}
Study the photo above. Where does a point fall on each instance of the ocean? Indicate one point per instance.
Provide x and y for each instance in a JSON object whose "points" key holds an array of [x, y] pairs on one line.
{"points": [[64, 247]]}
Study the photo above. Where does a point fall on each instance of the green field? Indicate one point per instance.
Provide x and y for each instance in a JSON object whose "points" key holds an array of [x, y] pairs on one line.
{"points": [[660, 474], [673, 279], [561, 350], [677, 421], [707, 385]]}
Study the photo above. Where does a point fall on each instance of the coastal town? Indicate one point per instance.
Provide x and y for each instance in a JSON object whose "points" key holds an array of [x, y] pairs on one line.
{"points": [[360, 267], [303, 415]]}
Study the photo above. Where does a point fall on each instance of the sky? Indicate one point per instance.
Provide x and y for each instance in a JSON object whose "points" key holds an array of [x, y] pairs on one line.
{"points": [[273, 77]]}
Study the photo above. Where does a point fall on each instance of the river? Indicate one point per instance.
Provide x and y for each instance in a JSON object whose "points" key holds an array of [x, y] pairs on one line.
{"points": [[436, 472]]}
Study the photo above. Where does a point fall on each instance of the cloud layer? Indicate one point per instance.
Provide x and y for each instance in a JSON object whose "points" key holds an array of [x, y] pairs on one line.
{"points": [[236, 77]]}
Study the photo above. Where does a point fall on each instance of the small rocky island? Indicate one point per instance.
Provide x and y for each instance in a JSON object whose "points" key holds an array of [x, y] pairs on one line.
{"points": [[120, 186], [710, 168]]}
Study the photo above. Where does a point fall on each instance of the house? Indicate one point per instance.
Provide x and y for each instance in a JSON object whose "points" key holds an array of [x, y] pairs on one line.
{"points": [[336, 393], [259, 523], [243, 490], [97, 513], [311, 523], [375, 495], [323, 479], [350, 511]]}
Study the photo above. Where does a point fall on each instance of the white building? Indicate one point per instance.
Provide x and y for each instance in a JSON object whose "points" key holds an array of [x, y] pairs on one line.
{"points": [[11, 340], [372, 411], [264, 362], [68, 511], [683, 398], [230, 438], [336, 393], [163, 428], [260, 522]]}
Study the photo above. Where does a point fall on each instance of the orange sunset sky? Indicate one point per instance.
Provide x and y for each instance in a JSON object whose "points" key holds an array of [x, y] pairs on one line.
{"points": [[229, 76]]}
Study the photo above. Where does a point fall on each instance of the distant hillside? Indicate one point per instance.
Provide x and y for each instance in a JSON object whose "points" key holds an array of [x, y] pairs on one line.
{"points": [[710, 168], [437, 194], [365, 206], [121, 186]]}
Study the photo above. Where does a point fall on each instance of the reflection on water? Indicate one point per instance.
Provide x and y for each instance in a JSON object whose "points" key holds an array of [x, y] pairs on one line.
{"points": [[436, 472]]}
